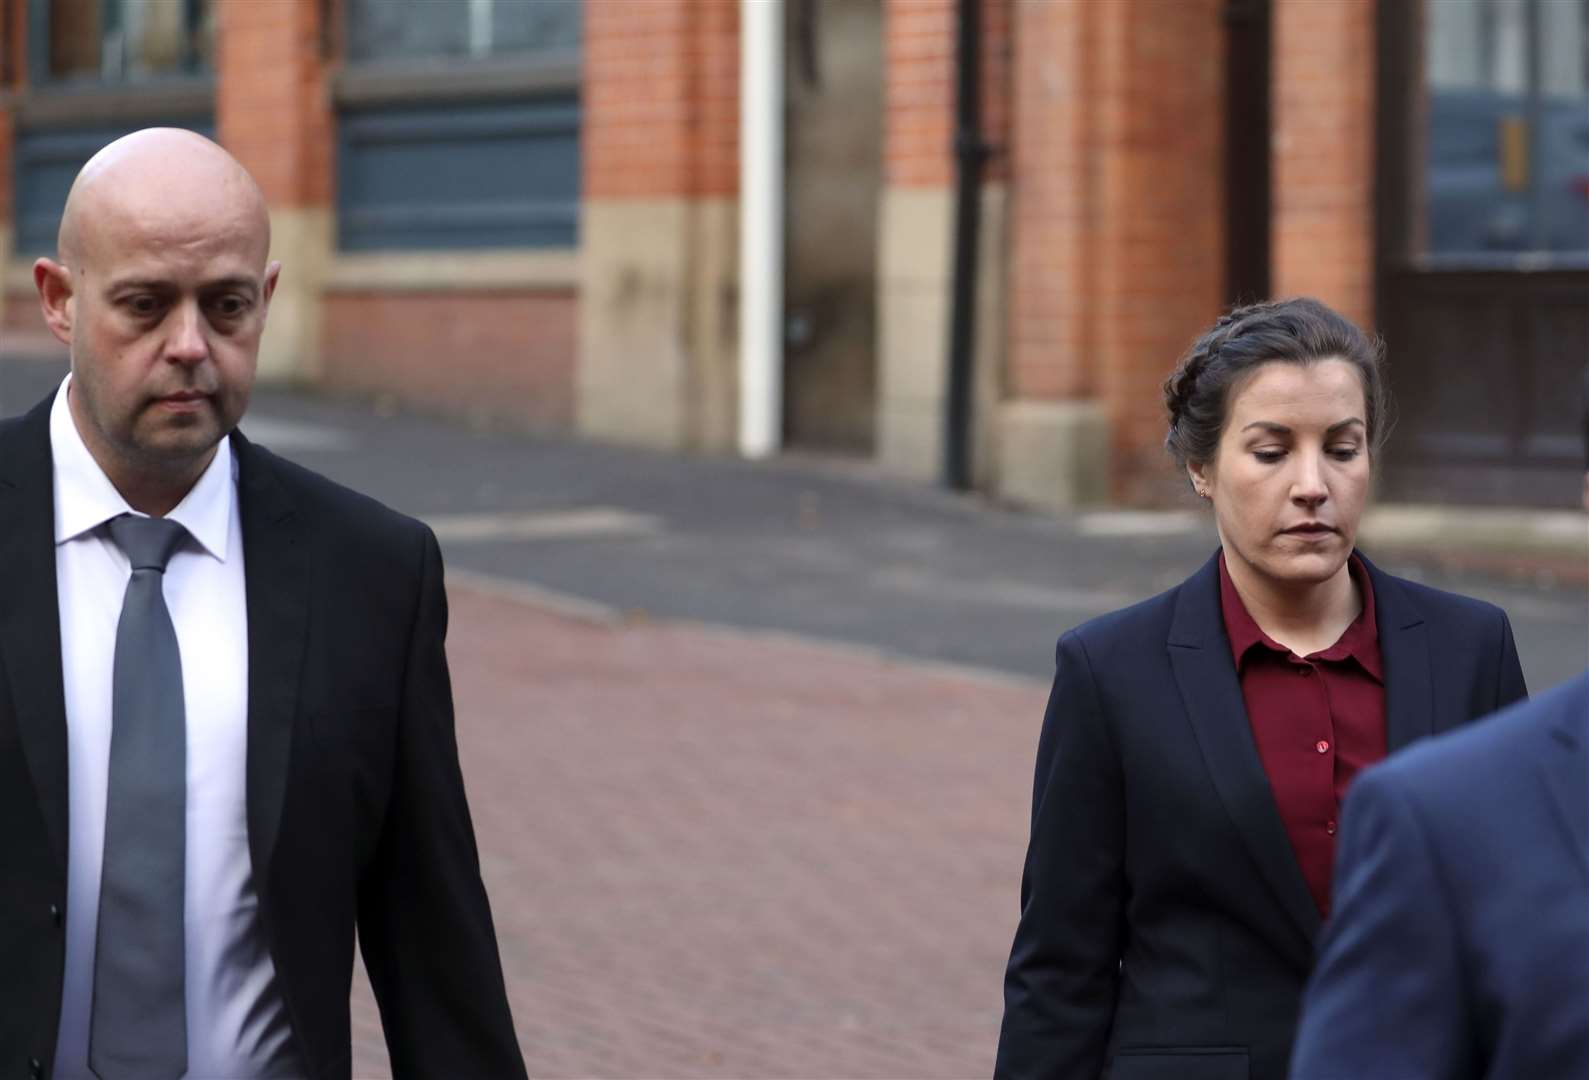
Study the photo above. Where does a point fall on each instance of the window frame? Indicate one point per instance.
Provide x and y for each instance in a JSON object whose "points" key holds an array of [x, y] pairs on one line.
{"points": [[40, 77]]}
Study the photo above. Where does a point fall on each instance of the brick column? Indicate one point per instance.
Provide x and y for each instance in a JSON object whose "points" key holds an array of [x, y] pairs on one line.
{"points": [[14, 62], [1117, 239], [272, 111], [1322, 240], [916, 224], [659, 277], [7, 207]]}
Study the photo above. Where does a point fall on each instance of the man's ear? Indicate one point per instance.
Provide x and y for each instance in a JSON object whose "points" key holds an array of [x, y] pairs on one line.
{"points": [[56, 299], [272, 275]]}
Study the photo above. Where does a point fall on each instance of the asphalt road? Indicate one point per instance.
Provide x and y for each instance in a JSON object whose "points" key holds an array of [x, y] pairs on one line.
{"points": [[810, 547]]}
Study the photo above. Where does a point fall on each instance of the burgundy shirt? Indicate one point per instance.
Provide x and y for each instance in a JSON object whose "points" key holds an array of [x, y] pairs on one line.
{"points": [[1317, 720]]}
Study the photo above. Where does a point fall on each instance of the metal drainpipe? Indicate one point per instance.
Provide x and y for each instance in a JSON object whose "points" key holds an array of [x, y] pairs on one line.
{"points": [[970, 152], [761, 104]]}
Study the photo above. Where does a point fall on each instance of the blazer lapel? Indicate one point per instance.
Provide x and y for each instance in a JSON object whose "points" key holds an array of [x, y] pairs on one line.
{"points": [[1404, 650], [1566, 770], [1200, 656], [30, 616], [275, 568]]}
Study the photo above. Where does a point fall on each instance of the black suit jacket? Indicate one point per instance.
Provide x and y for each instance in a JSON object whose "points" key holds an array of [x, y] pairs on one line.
{"points": [[355, 802], [1459, 944], [1166, 927]]}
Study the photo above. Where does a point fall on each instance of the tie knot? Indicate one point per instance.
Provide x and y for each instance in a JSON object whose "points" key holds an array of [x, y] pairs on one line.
{"points": [[147, 542]]}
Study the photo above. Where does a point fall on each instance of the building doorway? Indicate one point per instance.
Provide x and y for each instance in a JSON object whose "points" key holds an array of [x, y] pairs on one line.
{"points": [[834, 67], [1483, 247]]}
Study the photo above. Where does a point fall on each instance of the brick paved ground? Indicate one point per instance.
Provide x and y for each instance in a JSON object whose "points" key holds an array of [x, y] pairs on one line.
{"points": [[719, 855]]}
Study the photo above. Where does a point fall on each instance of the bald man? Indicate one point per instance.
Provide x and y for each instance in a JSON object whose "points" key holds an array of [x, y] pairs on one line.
{"points": [[226, 727]]}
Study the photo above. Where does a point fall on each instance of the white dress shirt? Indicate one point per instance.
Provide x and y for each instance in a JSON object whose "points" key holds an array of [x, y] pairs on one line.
{"points": [[237, 1020]]}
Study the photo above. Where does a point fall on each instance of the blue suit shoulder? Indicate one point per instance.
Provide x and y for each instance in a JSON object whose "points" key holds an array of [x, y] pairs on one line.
{"points": [[1458, 765]]}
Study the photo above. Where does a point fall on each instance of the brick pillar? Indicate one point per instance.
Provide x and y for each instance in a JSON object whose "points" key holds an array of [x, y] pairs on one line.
{"points": [[1322, 240], [916, 223], [659, 223], [272, 111], [1117, 239], [7, 207], [13, 62]]}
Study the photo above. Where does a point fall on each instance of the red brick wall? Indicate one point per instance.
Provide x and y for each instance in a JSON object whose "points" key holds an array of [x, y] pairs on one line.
{"points": [[506, 355], [16, 45], [272, 107], [661, 99], [919, 90], [1118, 219], [1323, 164], [7, 131], [1054, 203]]}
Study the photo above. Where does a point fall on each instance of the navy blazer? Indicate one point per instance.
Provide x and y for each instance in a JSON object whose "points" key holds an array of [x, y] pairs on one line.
{"points": [[1166, 927], [1459, 947]]}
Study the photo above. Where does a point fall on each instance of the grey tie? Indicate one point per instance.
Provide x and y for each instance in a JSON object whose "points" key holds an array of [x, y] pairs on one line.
{"points": [[139, 1026]]}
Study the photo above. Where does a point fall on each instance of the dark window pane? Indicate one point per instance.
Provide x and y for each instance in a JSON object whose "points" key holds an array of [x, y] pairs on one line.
{"points": [[1507, 166], [128, 40], [405, 29], [388, 29], [536, 25]]}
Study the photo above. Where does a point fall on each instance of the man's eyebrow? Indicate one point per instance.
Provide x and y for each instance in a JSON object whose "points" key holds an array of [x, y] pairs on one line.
{"points": [[239, 282], [1281, 429]]}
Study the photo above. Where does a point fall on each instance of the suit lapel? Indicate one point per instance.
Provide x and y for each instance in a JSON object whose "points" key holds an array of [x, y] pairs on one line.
{"points": [[1566, 770], [1200, 656], [275, 562], [1404, 651], [30, 616]]}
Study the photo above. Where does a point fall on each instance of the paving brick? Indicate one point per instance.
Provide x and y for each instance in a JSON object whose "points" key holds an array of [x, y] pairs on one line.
{"points": [[719, 854]]}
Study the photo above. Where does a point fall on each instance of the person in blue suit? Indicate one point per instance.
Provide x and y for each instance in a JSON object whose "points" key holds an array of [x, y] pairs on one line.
{"points": [[1459, 946], [1459, 943]]}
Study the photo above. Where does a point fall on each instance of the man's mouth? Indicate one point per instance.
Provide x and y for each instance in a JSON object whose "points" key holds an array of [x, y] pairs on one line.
{"points": [[1311, 528]]}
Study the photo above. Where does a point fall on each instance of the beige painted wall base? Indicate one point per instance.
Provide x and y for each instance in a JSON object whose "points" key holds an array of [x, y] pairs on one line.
{"points": [[1054, 454], [301, 240], [658, 322], [916, 244]]}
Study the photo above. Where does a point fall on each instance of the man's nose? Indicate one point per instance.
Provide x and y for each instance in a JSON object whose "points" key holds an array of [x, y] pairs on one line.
{"points": [[187, 343]]}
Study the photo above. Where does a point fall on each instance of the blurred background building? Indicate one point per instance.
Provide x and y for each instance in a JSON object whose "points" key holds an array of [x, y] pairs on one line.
{"points": [[530, 210]]}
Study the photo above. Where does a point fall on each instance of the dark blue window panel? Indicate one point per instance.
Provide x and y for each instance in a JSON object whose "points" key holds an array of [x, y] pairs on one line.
{"points": [[459, 175], [46, 161]]}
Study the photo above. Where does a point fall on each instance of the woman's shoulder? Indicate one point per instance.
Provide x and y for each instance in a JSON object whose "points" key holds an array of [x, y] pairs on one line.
{"points": [[1408, 599], [1146, 620]]}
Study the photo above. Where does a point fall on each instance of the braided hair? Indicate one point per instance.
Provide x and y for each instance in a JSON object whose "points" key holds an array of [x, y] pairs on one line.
{"points": [[1299, 330]]}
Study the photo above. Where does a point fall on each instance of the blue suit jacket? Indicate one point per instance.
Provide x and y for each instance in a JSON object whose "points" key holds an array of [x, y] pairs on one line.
{"points": [[1166, 928], [1459, 946]]}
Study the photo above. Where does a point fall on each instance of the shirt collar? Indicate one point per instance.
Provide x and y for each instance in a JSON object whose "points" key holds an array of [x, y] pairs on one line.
{"points": [[1359, 642], [85, 498]]}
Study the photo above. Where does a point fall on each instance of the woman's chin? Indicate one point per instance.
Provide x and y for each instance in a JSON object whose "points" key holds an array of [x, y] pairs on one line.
{"points": [[1307, 567]]}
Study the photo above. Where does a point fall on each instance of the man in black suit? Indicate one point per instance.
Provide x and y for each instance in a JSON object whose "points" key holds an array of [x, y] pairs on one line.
{"points": [[226, 729], [1459, 946]]}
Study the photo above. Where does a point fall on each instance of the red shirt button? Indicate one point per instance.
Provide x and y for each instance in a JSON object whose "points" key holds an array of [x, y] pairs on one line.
{"points": [[1304, 669], [1322, 746], [1329, 827]]}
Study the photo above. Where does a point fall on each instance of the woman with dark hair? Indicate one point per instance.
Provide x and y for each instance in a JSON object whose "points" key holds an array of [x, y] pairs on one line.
{"points": [[1197, 745]]}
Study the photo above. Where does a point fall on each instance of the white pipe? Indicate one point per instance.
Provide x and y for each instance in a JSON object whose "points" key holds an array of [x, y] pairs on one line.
{"points": [[760, 227]]}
